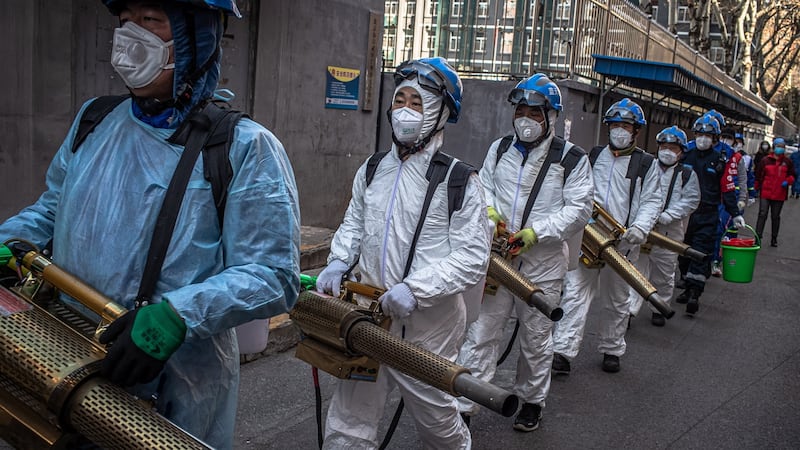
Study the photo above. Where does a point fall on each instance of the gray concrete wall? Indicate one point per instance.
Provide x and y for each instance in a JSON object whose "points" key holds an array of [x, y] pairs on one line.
{"points": [[274, 59]]}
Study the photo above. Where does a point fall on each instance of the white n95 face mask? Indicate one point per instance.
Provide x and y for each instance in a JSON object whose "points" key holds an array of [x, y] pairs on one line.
{"points": [[620, 138], [667, 157], [138, 55], [406, 124], [528, 130], [702, 142]]}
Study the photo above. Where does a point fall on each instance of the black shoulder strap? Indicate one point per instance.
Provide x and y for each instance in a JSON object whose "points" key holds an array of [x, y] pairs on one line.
{"points": [[570, 160], [686, 174], [553, 156], [638, 166], [503, 147], [93, 115], [457, 185], [671, 187], [210, 131], [594, 153], [437, 172], [372, 165]]}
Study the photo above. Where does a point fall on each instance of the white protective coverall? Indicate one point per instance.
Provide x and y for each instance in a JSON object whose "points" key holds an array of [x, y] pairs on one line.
{"points": [[451, 256], [100, 208], [659, 264], [612, 192], [561, 209]]}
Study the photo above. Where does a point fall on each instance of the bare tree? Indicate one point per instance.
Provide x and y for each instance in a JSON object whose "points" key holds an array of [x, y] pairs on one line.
{"points": [[776, 47]]}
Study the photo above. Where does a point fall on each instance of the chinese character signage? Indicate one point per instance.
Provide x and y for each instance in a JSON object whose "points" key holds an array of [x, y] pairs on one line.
{"points": [[341, 88]]}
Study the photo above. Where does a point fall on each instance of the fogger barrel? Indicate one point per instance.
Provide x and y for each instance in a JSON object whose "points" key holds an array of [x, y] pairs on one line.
{"points": [[682, 249], [344, 327], [597, 244], [502, 272], [49, 384]]}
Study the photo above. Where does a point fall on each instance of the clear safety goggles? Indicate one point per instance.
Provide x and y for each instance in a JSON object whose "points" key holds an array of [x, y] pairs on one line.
{"points": [[427, 76], [526, 96], [626, 115], [668, 138]]}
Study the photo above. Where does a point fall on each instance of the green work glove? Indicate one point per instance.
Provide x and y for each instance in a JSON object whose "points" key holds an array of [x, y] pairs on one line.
{"points": [[522, 241], [499, 221], [143, 340]]}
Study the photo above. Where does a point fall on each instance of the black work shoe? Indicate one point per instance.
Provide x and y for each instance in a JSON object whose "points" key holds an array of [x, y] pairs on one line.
{"points": [[692, 305], [528, 417], [465, 418], [681, 283], [684, 297], [610, 363], [773, 243], [560, 364], [658, 320]]}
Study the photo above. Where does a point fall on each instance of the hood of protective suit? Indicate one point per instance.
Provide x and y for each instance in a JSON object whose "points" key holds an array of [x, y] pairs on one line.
{"points": [[431, 105], [192, 52]]}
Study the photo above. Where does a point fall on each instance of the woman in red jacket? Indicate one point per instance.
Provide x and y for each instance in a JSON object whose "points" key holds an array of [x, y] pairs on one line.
{"points": [[774, 175]]}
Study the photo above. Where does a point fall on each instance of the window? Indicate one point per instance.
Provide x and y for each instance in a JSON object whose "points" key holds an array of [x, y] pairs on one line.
{"points": [[563, 10], [457, 8], [560, 48], [391, 8], [433, 8], [454, 43], [683, 14], [717, 55], [528, 43], [480, 42], [431, 42], [510, 9], [411, 7], [389, 38], [655, 12], [483, 8], [408, 42], [506, 42]]}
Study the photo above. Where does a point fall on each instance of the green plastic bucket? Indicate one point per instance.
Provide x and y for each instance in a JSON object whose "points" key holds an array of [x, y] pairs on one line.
{"points": [[738, 263]]}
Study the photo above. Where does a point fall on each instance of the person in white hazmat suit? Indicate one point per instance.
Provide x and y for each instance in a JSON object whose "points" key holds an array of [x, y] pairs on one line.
{"points": [[560, 209], [681, 191], [102, 201], [626, 185], [426, 303]]}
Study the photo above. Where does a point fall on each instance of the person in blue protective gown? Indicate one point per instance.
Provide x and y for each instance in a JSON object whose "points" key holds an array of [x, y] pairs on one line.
{"points": [[101, 204]]}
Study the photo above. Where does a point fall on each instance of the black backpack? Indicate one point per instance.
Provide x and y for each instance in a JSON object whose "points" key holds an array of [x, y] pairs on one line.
{"points": [[638, 166], [208, 130], [436, 174]]}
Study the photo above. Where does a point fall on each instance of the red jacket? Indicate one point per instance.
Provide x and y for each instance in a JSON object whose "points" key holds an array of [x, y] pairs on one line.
{"points": [[771, 172]]}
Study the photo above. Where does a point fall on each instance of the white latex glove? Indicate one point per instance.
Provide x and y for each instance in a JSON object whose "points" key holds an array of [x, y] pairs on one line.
{"points": [[634, 236], [738, 222], [329, 281], [664, 218], [741, 204], [398, 302]]}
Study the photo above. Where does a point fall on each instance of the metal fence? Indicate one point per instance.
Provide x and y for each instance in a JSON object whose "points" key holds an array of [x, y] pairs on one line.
{"points": [[496, 39]]}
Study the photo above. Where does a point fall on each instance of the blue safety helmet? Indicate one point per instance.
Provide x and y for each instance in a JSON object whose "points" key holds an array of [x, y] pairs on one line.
{"points": [[226, 6], [537, 90], [706, 124], [673, 135], [435, 75], [625, 111], [778, 141], [720, 118], [738, 136]]}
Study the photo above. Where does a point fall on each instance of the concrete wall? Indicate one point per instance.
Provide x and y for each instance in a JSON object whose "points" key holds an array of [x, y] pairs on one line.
{"points": [[274, 59]]}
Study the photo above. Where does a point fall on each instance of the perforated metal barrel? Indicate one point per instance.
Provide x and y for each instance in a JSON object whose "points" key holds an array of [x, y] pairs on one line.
{"points": [[502, 272], [334, 321], [57, 367]]}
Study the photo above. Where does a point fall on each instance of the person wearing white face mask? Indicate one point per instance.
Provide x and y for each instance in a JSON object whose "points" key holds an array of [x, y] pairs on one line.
{"points": [[716, 186], [681, 190], [626, 185], [426, 274], [176, 345], [538, 189]]}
